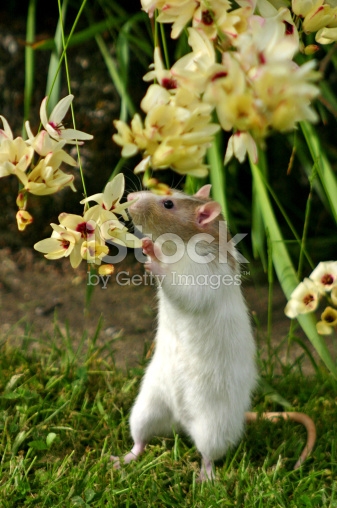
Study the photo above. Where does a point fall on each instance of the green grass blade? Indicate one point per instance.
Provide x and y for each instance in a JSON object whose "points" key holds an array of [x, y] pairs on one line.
{"points": [[284, 267], [323, 166]]}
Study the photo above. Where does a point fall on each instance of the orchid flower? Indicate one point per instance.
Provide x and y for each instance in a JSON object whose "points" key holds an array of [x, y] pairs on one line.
{"points": [[303, 299], [109, 201], [53, 123]]}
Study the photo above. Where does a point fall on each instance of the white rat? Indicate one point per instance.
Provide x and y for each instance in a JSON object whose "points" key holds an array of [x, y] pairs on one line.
{"points": [[202, 373]]}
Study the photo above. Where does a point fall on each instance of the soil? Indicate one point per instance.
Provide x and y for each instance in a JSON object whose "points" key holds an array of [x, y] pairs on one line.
{"points": [[36, 295]]}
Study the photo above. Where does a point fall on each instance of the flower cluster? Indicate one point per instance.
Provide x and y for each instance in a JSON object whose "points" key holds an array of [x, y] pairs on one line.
{"points": [[176, 132], [241, 65], [84, 237], [317, 16], [36, 162], [306, 297]]}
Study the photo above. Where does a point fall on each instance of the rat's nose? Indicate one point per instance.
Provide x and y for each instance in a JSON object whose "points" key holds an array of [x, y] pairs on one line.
{"points": [[131, 196]]}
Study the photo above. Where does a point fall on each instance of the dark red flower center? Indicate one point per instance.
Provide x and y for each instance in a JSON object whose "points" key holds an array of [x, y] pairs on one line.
{"points": [[289, 28], [308, 299], [65, 244], [218, 75], [85, 229], [56, 127], [262, 58], [329, 318], [327, 279], [207, 17], [169, 83]]}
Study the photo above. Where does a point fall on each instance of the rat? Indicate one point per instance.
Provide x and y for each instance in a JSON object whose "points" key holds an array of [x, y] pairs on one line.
{"points": [[203, 371]]}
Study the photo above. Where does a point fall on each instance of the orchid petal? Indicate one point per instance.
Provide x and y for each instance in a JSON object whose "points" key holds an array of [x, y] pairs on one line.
{"points": [[60, 110]]}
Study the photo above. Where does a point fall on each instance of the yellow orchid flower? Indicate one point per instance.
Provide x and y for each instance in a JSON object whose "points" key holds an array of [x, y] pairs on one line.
{"points": [[62, 243], [328, 321], [325, 275], [53, 124], [108, 201], [23, 219], [46, 178], [15, 155], [303, 299], [93, 252], [42, 143]]}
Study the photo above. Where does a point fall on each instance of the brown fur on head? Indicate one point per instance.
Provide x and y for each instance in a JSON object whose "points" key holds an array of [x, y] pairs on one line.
{"points": [[177, 214], [181, 215]]}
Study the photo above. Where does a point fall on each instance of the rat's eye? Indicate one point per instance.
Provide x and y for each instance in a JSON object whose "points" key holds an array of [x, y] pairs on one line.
{"points": [[168, 204]]}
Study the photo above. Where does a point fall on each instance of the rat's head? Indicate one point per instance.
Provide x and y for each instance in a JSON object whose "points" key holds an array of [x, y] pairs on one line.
{"points": [[175, 213]]}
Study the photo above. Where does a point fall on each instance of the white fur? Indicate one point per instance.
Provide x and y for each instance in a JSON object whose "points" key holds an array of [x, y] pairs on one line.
{"points": [[202, 374]]}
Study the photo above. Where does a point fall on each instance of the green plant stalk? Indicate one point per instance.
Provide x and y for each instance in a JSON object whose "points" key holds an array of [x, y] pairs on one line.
{"points": [[117, 168], [285, 271], [258, 231], [305, 233], [53, 86], [122, 54], [306, 163], [164, 44], [324, 169], [127, 105], [218, 175], [52, 74], [283, 212], [29, 58], [83, 35], [270, 294], [64, 55]]}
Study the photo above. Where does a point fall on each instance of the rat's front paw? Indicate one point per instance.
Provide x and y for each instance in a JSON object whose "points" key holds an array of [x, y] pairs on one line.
{"points": [[148, 247], [153, 265]]}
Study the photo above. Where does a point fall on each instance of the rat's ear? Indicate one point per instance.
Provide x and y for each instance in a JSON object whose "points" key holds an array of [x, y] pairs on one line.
{"points": [[204, 192], [208, 212]]}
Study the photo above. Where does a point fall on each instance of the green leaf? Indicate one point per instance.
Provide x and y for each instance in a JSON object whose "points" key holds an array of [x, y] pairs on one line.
{"points": [[270, 393], [120, 85], [218, 175], [323, 166], [54, 75], [284, 267], [38, 445], [258, 231], [29, 58], [50, 439]]}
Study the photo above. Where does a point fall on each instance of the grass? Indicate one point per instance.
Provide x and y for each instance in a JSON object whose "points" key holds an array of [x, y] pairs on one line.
{"points": [[64, 410]]}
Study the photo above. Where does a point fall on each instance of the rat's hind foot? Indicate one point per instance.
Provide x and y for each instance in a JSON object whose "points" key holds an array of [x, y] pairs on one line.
{"points": [[206, 471], [137, 449]]}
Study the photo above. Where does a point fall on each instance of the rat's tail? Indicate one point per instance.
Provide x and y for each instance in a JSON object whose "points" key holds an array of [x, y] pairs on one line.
{"points": [[296, 417]]}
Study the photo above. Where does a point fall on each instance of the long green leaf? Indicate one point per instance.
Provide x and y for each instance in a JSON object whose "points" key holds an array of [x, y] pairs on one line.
{"points": [[118, 82], [29, 58], [217, 175], [84, 35], [284, 267], [324, 170], [54, 72], [258, 230]]}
